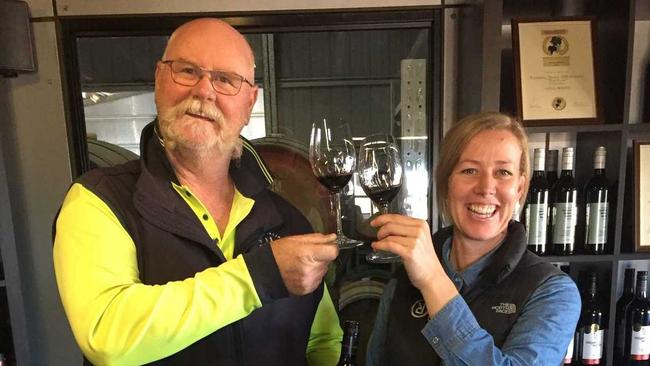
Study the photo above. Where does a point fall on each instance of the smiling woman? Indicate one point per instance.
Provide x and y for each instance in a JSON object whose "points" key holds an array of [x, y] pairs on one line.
{"points": [[489, 301]]}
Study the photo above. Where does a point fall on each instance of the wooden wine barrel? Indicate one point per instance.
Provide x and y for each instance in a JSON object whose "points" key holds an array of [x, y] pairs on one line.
{"points": [[359, 301], [105, 154], [288, 162]]}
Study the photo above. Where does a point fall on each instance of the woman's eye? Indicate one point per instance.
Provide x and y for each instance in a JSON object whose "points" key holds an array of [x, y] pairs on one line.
{"points": [[468, 171], [504, 172]]}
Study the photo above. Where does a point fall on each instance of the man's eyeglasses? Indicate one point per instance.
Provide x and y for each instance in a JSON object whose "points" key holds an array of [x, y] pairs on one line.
{"points": [[188, 74]]}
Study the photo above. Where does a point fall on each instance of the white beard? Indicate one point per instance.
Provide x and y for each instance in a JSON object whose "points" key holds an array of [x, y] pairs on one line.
{"points": [[182, 131]]}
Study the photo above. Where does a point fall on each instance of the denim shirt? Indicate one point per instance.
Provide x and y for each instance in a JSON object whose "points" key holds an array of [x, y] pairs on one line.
{"points": [[540, 336]]}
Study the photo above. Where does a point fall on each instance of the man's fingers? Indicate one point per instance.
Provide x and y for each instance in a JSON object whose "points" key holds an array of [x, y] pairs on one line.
{"points": [[324, 253], [313, 238]]}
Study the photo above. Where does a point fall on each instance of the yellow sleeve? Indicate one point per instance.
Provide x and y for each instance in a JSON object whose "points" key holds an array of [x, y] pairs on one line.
{"points": [[324, 347], [116, 319]]}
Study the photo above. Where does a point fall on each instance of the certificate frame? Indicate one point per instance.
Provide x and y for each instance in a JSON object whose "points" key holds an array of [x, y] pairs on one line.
{"points": [[642, 196], [557, 80]]}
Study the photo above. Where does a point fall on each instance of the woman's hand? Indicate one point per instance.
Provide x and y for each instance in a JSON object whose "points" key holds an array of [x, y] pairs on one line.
{"points": [[410, 238]]}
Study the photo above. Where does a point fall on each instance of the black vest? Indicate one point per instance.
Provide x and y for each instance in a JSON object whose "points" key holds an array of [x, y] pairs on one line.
{"points": [[496, 300], [172, 245]]}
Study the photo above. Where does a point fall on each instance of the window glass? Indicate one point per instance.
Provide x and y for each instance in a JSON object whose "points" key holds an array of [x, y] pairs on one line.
{"points": [[376, 80]]}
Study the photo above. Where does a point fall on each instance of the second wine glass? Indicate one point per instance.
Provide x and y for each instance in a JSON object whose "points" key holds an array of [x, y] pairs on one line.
{"points": [[333, 160], [380, 175]]}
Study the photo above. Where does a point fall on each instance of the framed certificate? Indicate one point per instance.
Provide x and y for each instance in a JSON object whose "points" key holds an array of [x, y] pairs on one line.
{"points": [[555, 71], [642, 194]]}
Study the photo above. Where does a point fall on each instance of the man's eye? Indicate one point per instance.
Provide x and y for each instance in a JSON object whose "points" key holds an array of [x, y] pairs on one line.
{"points": [[188, 71], [225, 79]]}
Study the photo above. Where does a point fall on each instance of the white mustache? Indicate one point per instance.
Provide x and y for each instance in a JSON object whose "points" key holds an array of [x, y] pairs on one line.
{"points": [[199, 108]]}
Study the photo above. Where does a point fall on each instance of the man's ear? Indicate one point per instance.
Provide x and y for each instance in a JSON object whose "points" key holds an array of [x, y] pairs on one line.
{"points": [[252, 98], [158, 70]]}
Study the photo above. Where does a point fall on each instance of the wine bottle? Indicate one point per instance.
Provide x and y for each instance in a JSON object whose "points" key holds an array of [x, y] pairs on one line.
{"points": [[637, 332], [621, 309], [551, 167], [551, 179], [349, 344], [591, 327], [597, 206], [565, 209], [536, 212], [569, 355]]}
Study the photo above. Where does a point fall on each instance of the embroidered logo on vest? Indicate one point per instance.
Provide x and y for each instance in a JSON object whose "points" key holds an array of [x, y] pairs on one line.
{"points": [[505, 308], [267, 238], [418, 309]]}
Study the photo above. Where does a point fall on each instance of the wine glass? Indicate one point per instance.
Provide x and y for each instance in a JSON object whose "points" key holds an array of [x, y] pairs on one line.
{"points": [[333, 159], [380, 175]]}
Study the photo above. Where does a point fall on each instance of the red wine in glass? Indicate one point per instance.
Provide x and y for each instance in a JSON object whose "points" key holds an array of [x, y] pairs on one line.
{"points": [[333, 159], [382, 196], [380, 175], [334, 182]]}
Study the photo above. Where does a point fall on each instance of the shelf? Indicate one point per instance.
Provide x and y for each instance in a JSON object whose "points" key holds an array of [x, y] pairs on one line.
{"points": [[639, 127], [580, 258], [615, 127], [575, 128], [633, 256]]}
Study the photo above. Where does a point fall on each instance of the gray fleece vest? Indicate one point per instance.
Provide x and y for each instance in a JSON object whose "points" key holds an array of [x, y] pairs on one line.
{"points": [[496, 300]]}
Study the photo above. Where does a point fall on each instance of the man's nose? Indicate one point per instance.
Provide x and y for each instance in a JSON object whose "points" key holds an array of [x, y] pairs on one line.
{"points": [[204, 89]]}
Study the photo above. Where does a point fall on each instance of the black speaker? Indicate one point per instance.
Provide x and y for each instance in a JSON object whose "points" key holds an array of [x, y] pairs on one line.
{"points": [[16, 40]]}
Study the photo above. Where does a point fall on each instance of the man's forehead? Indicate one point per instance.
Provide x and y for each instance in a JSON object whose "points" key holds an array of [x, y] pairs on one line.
{"points": [[210, 45]]}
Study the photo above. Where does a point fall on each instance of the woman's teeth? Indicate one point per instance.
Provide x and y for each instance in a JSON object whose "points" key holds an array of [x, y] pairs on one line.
{"points": [[484, 210]]}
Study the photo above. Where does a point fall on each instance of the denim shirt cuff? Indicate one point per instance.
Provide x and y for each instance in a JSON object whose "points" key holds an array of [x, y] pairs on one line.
{"points": [[450, 328]]}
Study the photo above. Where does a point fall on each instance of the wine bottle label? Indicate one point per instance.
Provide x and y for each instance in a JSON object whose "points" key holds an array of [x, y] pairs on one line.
{"points": [[536, 220], [564, 224], [596, 219], [640, 348], [569, 353], [592, 347]]}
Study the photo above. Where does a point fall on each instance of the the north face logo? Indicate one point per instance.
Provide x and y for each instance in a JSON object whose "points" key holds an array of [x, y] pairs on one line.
{"points": [[505, 308]]}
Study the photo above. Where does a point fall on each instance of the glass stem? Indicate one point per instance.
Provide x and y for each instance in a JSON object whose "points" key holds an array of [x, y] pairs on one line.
{"points": [[383, 208], [337, 208]]}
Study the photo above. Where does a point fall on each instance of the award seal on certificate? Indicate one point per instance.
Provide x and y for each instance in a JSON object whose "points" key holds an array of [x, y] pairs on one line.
{"points": [[555, 71]]}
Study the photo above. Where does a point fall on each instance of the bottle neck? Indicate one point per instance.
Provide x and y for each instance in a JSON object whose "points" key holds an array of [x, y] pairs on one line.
{"points": [[641, 289], [349, 347], [538, 173], [566, 173], [592, 288], [628, 283]]}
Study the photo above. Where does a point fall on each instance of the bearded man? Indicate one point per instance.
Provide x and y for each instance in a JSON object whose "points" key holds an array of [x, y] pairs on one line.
{"points": [[185, 257]]}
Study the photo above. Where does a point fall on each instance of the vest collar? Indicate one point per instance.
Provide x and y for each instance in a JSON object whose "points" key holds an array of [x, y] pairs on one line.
{"points": [[160, 204], [506, 257]]}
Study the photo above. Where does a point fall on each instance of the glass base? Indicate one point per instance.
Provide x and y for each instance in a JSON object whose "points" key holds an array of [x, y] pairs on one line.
{"points": [[382, 256], [346, 243]]}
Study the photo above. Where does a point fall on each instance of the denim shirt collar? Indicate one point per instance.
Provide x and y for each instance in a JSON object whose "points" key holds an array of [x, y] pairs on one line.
{"points": [[468, 277]]}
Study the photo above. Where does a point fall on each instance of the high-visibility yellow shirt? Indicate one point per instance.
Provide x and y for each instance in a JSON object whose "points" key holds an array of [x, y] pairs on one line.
{"points": [[117, 320]]}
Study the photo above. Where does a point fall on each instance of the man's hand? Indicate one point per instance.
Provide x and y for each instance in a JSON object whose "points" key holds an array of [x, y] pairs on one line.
{"points": [[303, 260]]}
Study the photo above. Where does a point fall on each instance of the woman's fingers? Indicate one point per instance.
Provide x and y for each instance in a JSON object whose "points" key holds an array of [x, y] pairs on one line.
{"points": [[400, 225]]}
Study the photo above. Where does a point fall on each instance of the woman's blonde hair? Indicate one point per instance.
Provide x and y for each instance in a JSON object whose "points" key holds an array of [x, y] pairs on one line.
{"points": [[457, 138]]}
